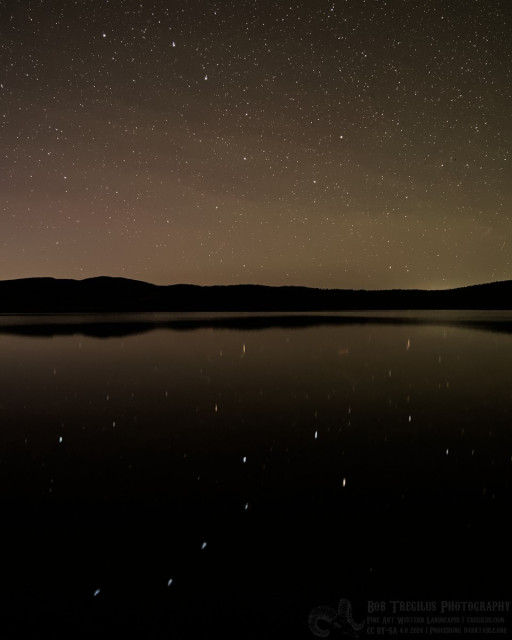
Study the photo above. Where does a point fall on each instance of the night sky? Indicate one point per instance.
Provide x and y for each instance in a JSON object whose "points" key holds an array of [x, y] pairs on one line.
{"points": [[349, 143]]}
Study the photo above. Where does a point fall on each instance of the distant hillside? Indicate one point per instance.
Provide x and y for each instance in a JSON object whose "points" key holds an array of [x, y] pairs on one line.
{"points": [[48, 295]]}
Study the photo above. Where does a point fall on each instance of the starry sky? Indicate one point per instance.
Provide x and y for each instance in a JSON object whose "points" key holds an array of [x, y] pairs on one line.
{"points": [[340, 143]]}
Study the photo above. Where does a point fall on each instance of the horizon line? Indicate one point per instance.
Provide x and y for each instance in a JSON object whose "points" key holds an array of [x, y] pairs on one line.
{"points": [[246, 284]]}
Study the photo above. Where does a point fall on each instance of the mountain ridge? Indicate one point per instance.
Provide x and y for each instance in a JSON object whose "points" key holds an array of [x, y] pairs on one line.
{"points": [[118, 294]]}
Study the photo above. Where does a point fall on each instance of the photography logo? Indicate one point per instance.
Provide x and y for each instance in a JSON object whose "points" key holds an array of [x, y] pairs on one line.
{"points": [[324, 621]]}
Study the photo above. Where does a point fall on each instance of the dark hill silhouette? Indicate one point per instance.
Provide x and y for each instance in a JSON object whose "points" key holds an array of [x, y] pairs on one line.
{"points": [[105, 294]]}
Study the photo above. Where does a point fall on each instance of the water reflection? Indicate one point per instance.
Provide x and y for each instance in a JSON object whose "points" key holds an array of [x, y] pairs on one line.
{"points": [[250, 474], [115, 325]]}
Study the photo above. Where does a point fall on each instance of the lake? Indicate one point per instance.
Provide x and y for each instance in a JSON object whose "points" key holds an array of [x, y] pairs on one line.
{"points": [[201, 475]]}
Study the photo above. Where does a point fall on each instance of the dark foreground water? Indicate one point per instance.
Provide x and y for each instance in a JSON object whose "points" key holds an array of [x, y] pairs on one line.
{"points": [[199, 477]]}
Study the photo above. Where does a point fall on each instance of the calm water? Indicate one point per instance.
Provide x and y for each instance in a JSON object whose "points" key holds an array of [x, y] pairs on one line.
{"points": [[198, 476]]}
